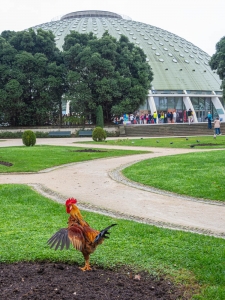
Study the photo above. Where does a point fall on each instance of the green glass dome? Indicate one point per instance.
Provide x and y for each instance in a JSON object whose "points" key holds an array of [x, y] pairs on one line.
{"points": [[176, 63]]}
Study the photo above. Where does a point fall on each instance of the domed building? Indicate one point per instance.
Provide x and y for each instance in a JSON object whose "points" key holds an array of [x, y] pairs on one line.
{"points": [[183, 79]]}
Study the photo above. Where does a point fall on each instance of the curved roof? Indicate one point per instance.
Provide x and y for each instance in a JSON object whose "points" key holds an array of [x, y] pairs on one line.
{"points": [[176, 63], [91, 13]]}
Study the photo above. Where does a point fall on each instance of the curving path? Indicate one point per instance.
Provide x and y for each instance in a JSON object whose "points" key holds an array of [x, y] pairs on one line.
{"points": [[99, 186]]}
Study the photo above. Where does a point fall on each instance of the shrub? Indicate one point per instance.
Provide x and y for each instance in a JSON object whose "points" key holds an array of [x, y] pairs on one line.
{"points": [[19, 134], [98, 134], [29, 138], [112, 133], [10, 135], [40, 134]]}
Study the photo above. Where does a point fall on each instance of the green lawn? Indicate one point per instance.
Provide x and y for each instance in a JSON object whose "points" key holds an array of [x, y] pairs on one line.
{"points": [[199, 142], [33, 159], [29, 219], [199, 175]]}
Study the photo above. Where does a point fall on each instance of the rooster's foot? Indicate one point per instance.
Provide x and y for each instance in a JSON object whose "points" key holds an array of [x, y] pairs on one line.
{"points": [[86, 268]]}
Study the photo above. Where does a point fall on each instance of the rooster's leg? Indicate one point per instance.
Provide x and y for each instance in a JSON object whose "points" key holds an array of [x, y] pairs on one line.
{"points": [[87, 266]]}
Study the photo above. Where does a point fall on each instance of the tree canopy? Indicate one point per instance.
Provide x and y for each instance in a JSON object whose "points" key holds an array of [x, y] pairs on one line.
{"points": [[32, 77], [217, 61], [91, 72], [106, 72]]}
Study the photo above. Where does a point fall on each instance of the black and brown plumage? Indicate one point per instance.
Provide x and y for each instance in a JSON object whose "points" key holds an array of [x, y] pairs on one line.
{"points": [[78, 233]]}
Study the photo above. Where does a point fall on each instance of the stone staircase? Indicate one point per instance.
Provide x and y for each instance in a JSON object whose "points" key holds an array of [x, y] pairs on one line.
{"points": [[177, 129]]}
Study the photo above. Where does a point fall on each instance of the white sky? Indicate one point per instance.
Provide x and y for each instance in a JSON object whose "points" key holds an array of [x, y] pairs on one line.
{"points": [[201, 22]]}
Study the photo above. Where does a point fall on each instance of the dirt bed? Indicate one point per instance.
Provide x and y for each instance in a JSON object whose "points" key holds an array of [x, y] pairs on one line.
{"points": [[61, 281], [5, 163]]}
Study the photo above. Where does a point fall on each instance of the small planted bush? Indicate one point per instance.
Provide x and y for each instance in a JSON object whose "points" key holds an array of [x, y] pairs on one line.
{"points": [[29, 138], [99, 134]]}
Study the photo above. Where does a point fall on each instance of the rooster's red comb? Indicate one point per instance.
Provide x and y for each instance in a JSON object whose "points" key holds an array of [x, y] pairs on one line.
{"points": [[71, 201]]}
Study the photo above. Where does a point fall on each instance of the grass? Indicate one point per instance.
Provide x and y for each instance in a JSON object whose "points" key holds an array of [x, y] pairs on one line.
{"points": [[33, 159], [29, 219], [205, 142], [200, 175]]}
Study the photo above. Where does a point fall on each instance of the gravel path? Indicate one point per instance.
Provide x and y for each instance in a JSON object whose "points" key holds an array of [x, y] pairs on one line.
{"points": [[99, 186]]}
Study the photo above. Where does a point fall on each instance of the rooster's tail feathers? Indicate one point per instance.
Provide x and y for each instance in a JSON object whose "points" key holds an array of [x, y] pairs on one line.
{"points": [[103, 234]]}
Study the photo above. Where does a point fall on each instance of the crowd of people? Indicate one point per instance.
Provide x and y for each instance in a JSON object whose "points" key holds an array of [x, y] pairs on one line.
{"points": [[166, 117], [148, 118]]}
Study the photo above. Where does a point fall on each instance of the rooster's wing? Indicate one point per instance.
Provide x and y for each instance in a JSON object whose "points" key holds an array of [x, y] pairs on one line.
{"points": [[63, 237]]}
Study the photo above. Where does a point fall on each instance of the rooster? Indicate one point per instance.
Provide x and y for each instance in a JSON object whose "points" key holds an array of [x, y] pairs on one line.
{"points": [[83, 238]]}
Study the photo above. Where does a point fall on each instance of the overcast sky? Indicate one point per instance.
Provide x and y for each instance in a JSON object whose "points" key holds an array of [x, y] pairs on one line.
{"points": [[201, 22]]}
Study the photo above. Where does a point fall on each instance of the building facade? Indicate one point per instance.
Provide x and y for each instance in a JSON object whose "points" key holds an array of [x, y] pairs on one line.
{"points": [[183, 79]]}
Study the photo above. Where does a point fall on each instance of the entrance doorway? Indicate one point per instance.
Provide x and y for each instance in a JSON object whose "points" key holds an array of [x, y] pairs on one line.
{"points": [[201, 114]]}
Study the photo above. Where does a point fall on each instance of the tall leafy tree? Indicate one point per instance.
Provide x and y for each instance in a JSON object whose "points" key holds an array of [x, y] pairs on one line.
{"points": [[31, 62], [99, 117], [217, 62], [33, 42], [106, 72]]}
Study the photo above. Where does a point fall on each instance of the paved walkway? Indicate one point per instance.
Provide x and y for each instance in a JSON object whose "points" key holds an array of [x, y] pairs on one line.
{"points": [[99, 186]]}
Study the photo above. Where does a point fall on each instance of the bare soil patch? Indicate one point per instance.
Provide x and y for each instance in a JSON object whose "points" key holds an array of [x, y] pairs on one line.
{"points": [[206, 144], [60, 281], [88, 150], [5, 163]]}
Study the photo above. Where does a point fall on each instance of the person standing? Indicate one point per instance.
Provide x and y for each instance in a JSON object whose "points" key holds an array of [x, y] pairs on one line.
{"points": [[162, 117], [165, 117], [159, 116], [171, 117], [150, 118], [155, 117], [132, 118], [168, 117], [147, 118], [217, 126], [189, 113], [138, 119], [121, 120], [174, 116], [209, 117]]}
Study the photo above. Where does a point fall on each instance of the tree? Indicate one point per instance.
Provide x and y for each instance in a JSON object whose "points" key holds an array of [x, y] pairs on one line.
{"points": [[106, 72], [33, 77], [33, 42], [99, 117], [217, 62], [90, 72]]}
